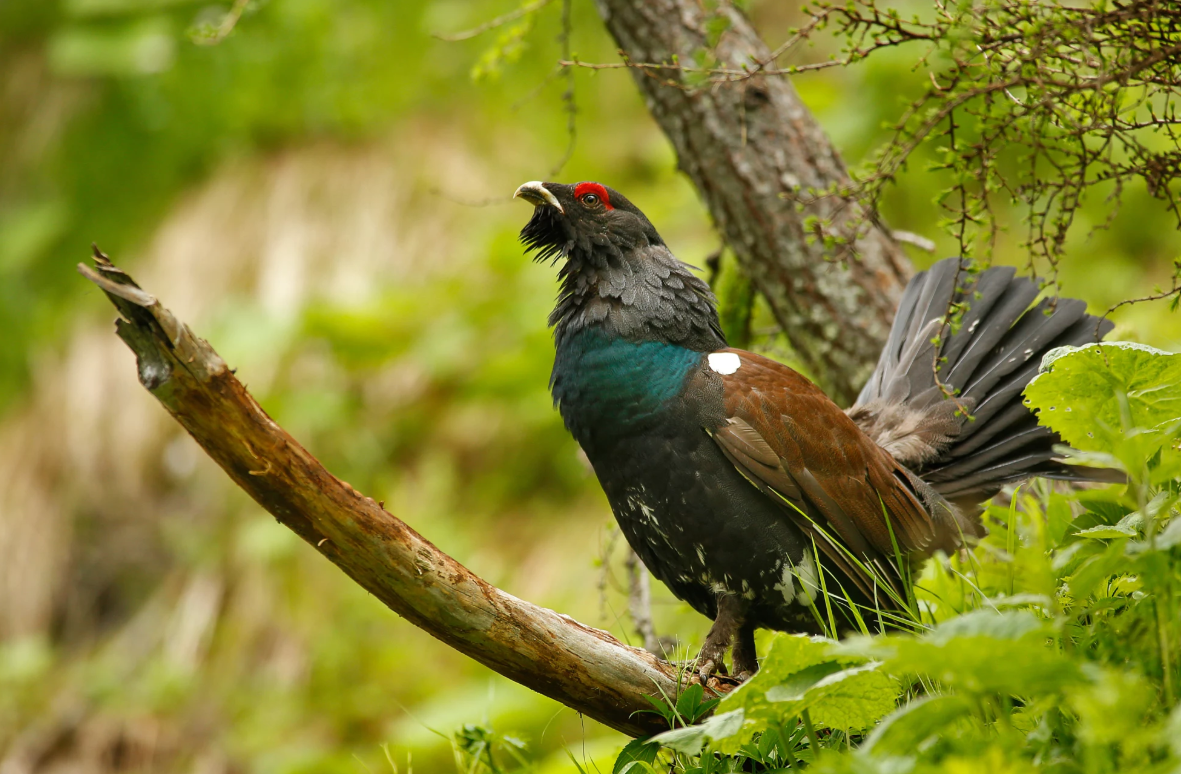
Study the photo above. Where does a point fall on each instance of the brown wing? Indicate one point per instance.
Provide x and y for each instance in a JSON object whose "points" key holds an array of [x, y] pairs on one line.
{"points": [[789, 439]]}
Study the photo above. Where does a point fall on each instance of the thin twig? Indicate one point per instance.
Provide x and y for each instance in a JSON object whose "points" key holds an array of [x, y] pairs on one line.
{"points": [[639, 602], [916, 240], [568, 103], [492, 24], [228, 22]]}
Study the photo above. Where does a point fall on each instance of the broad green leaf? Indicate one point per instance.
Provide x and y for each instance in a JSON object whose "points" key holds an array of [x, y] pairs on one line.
{"points": [[1089, 459], [801, 673], [908, 727], [853, 699], [1067, 560], [1103, 506], [1013, 625], [692, 740], [637, 752], [1113, 397], [1097, 569], [1022, 600], [1107, 532], [790, 654], [980, 652]]}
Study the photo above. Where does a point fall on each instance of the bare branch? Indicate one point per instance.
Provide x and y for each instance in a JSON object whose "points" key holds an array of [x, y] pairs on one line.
{"points": [[586, 669]]}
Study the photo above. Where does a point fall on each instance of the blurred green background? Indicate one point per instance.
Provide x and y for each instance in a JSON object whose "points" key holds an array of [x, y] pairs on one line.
{"points": [[324, 195]]}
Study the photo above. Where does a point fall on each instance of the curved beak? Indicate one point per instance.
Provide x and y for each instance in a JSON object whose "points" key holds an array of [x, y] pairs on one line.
{"points": [[537, 194]]}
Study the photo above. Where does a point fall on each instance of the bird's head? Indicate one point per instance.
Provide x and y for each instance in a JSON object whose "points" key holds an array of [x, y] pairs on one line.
{"points": [[586, 222], [618, 274]]}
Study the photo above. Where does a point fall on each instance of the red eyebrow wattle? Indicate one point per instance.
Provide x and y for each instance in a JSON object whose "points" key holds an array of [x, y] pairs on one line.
{"points": [[596, 189]]}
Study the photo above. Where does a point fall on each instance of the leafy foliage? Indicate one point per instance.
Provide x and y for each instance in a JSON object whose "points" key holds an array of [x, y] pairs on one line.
{"points": [[1119, 402], [1039, 104]]}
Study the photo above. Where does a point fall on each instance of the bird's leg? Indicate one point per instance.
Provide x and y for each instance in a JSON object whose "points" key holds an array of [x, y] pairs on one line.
{"points": [[731, 612], [744, 658]]}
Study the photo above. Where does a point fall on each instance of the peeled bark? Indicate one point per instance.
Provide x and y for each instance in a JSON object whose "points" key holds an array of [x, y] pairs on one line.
{"points": [[584, 668], [753, 150]]}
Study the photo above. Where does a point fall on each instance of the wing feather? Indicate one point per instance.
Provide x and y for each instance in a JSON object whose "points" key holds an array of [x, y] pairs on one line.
{"points": [[786, 437]]}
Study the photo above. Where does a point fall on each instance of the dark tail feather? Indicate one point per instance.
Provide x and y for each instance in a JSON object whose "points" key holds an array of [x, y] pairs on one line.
{"points": [[987, 362]]}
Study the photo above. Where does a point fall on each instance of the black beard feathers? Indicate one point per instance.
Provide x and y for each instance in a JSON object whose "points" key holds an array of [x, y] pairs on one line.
{"points": [[545, 236]]}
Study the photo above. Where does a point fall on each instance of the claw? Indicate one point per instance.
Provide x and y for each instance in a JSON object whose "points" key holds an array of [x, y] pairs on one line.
{"points": [[711, 667], [717, 642]]}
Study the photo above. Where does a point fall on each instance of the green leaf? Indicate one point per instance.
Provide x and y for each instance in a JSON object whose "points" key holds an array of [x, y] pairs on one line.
{"points": [[715, 26], [787, 655], [852, 699], [690, 704], [906, 729], [692, 739], [1104, 506], [1114, 397], [985, 623], [801, 673], [637, 751], [1111, 707], [1097, 569], [980, 652], [1107, 532]]}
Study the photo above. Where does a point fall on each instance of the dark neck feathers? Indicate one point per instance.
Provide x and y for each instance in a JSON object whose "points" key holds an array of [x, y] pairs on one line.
{"points": [[638, 293]]}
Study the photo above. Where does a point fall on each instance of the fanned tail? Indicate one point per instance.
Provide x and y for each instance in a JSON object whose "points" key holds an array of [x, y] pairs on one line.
{"points": [[985, 364]]}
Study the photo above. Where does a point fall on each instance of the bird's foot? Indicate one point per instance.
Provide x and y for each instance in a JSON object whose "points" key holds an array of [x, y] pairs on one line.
{"points": [[711, 667], [710, 660]]}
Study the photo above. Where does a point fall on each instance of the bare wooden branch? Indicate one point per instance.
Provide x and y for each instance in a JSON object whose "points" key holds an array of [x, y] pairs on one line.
{"points": [[759, 159], [586, 669]]}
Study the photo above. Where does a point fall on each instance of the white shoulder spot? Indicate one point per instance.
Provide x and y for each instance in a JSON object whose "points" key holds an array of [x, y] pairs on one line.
{"points": [[725, 363]]}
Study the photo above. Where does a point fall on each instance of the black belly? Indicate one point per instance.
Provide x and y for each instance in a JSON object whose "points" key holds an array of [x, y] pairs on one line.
{"points": [[702, 529]]}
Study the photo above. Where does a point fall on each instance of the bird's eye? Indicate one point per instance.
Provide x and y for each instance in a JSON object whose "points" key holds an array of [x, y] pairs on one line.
{"points": [[590, 200]]}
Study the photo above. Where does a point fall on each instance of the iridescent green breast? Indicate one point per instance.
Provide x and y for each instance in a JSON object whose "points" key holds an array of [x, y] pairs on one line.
{"points": [[610, 387]]}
